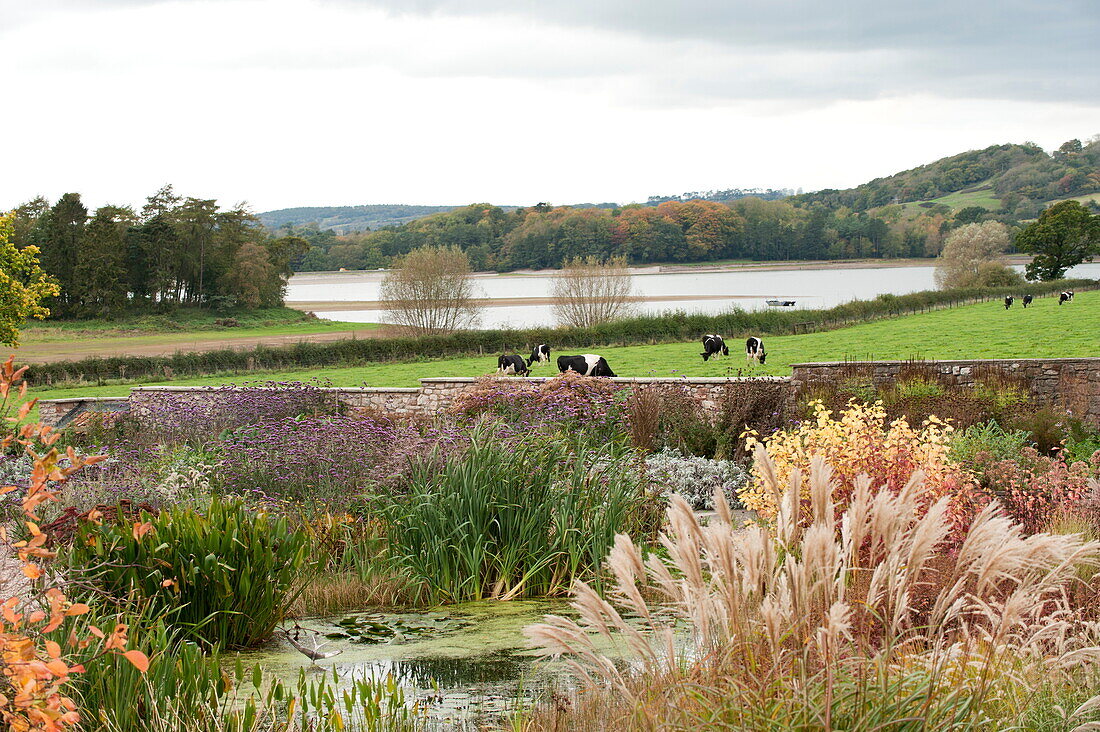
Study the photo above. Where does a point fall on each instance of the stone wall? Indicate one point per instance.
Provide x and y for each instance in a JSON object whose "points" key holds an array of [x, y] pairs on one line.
{"points": [[433, 396], [1072, 384], [438, 394], [58, 412]]}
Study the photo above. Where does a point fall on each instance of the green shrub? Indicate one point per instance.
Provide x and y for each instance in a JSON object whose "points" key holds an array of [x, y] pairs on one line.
{"points": [[990, 438], [518, 519], [224, 575], [1082, 441]]}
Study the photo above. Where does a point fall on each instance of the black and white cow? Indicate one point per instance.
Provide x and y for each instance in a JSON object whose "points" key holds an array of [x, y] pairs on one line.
{"points": [[1065, 297], [754, 350], [587, 365], [512, 365], [1008, 301], [713, 345], [540, 353], [1027, 300]]}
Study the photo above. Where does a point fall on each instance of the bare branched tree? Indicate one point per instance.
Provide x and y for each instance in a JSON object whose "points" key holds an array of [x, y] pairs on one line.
{"points": [[588, 292], [974, 257], [429, 290]]}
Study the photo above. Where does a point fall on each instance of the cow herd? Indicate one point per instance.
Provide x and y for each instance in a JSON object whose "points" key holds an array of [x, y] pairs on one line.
{"points": [[591, 364], [1063, 298], [588, 364]]}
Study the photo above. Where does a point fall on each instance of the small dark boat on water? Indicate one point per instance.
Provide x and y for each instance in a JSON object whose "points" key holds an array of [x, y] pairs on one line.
{"points": [[780, 303]]}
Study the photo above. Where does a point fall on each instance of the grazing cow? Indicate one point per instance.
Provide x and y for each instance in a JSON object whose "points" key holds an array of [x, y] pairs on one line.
{"points": [[754, 350], [1008, 301], [1027, 300], [714, 345], [587, 365], [512, 365], [1065, 297], [540, 353]]}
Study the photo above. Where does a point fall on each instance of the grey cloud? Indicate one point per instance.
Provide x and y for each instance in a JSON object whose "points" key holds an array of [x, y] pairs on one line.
{"points": [[800, 51], [1016, 49]]}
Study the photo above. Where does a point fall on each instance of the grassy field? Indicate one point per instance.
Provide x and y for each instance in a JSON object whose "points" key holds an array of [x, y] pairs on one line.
{"points": [[983, 197], [181, 319], [973, 331], [184, 329], [185, 323]]}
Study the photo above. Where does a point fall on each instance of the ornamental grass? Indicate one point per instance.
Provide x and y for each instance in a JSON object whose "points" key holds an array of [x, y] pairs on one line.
{"points": [[860, 618]]}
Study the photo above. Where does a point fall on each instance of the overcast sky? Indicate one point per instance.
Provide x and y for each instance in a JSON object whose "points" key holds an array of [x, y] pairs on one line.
{"points": [[332, 102]]}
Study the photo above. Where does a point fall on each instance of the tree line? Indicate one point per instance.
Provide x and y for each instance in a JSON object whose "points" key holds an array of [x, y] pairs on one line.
{"points": [[176, 251], [546, 236]]}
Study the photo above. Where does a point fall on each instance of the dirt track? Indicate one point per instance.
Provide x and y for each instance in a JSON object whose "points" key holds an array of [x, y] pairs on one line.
{"points": [[140, 345]]}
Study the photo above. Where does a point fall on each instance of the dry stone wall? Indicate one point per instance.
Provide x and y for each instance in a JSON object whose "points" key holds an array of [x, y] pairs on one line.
{"points": [[433, 396], [1070, 383]]}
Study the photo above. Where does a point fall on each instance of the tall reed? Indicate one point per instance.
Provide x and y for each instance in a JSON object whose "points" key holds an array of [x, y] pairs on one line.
{"points": [[516, 518]]}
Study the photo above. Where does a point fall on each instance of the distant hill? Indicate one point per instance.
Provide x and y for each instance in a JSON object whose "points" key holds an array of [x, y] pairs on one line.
{"points": [[1011, 179], [347, 219], [351, 219]]}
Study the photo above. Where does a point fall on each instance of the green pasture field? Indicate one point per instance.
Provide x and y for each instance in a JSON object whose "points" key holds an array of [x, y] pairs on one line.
{"points": [[984, 330], [984, 197]]}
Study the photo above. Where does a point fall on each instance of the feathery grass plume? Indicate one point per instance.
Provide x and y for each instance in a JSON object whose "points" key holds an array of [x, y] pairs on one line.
{"points": [[871, 619]]}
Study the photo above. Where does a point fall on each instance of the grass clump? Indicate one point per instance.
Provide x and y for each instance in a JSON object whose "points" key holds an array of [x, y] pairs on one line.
{"points": [[517, 518], [225, 575]]}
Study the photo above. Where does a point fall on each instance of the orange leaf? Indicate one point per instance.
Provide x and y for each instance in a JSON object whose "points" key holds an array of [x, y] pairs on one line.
{"points": [[58, 667], [32, 571], [53, 649], [78, 608], [95, 631], [139, 659], [141, 530]]}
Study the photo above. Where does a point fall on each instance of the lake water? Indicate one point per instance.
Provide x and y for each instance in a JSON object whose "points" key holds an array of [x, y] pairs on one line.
{"points": [[693, 292]]}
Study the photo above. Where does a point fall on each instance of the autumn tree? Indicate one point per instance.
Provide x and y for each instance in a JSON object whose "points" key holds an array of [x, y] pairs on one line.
{"points": [[974, 257], [23, 284], [588, 291], [1064, 235], [429, 290]]}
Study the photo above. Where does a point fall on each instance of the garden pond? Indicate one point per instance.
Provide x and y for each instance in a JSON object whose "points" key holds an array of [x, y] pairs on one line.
{"points": [[466, 665]]}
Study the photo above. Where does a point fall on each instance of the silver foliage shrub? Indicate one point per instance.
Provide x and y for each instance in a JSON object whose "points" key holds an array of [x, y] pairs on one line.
{"points": [[695, 478]]}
